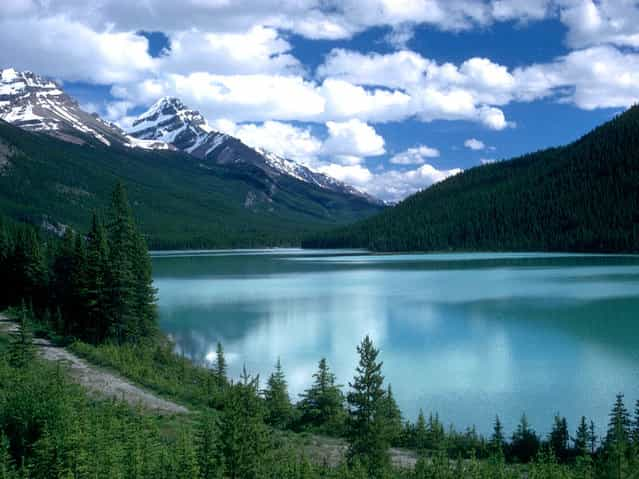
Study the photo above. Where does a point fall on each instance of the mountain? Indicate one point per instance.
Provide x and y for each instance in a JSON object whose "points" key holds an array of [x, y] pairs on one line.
{"points": [[579, 197], [180, 202], [169, 121], [207, 188]]}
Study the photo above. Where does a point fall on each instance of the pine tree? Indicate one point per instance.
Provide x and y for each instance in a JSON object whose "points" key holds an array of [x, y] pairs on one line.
{"points": [[144, 292], [30, 272], [619, 423], [121, 287], [21, 351], [79, 283], [97, 273], [497, 440], [593, 437], [617, 444], [635, 427], [220, 369], [209, 448], [366, 429], [244, 435], [421, 433], [525, 443], [582, 438], [392, 417], [559, 438], [322, 405], [279, 411]]}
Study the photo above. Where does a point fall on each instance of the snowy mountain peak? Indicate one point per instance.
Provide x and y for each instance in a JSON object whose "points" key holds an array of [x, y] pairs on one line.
{"points": [[35, 103], [169, 120]]}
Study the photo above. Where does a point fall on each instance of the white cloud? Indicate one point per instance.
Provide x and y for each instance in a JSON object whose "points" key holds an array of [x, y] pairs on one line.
{"points": [[396, 185], [474, 144], [389, 185], [487, 161], [258, 50], [280, 138], [596, 77], [415, 156], [67, 50], [352, 139], [605, 21]]}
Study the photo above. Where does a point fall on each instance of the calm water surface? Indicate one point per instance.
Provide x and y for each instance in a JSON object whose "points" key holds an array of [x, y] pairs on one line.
{"points": [[466, 335]]}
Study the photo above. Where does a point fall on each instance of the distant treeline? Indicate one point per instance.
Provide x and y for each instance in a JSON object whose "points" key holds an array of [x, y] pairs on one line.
{"points": [[581, 197]]}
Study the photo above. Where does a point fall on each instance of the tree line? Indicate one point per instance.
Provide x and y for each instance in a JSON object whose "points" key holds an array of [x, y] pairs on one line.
{"points": [[581, 197], [95, 287]]}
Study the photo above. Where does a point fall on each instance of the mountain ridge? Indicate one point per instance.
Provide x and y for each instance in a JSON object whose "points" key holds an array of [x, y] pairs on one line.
{"points": [[37, 104], [581, 197]]}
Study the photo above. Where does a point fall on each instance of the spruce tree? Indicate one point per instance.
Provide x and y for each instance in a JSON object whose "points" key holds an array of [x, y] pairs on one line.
{"points": [[497, 440], [21, 351], [582, 437], [244, 435], [121, 287], [322, 405], [220, 369], [279, 411], [209, 448], [617, 444], [366, 428], [392, 417], [97, 269], [559, 438], [635, 427], [421, 433], [592, 436], [525, 443], [144, 292], [619, 423], [79, 281]]}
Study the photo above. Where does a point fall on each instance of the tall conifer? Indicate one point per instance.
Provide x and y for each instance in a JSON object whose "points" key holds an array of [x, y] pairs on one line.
{"points": [[366, 428]]}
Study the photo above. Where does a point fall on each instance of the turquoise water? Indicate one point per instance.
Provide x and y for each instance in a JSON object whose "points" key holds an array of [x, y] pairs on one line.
{"points": [[466, 335]]}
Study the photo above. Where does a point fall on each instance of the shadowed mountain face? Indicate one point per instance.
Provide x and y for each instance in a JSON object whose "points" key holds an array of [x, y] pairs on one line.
{"points": [[580, 197]]}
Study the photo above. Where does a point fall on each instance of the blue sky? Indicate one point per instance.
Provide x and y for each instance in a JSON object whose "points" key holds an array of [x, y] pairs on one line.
{"points": [[389, 95]]}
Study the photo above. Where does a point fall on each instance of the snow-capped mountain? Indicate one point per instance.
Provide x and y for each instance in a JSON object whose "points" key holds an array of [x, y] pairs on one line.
{"points": [[35, 103], [172, 122]]}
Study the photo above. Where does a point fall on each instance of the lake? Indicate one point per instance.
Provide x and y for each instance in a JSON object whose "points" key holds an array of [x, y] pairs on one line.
{"points": [[466, 335]]}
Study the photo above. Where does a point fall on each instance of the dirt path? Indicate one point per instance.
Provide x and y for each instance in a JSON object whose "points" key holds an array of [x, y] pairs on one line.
{"points": [[96, 380]]}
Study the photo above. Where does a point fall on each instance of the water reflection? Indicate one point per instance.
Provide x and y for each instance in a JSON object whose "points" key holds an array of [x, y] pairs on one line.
{"points": [[468, 336]]}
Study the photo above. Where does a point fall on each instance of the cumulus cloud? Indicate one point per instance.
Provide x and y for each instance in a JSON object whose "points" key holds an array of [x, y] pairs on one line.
{"points": [[415, 156], [352, 139], [73, 51], [474, 144], [395, 185], [283, 139]]}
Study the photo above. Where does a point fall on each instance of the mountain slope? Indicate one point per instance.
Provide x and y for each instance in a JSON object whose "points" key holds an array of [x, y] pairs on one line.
{"points": [[170, 121], [181, 201], [37, 104], [580, 197]]}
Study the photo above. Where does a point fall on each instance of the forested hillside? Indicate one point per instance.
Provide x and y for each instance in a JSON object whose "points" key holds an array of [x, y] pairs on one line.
{"points": [[580, 197], [179, 201]]}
